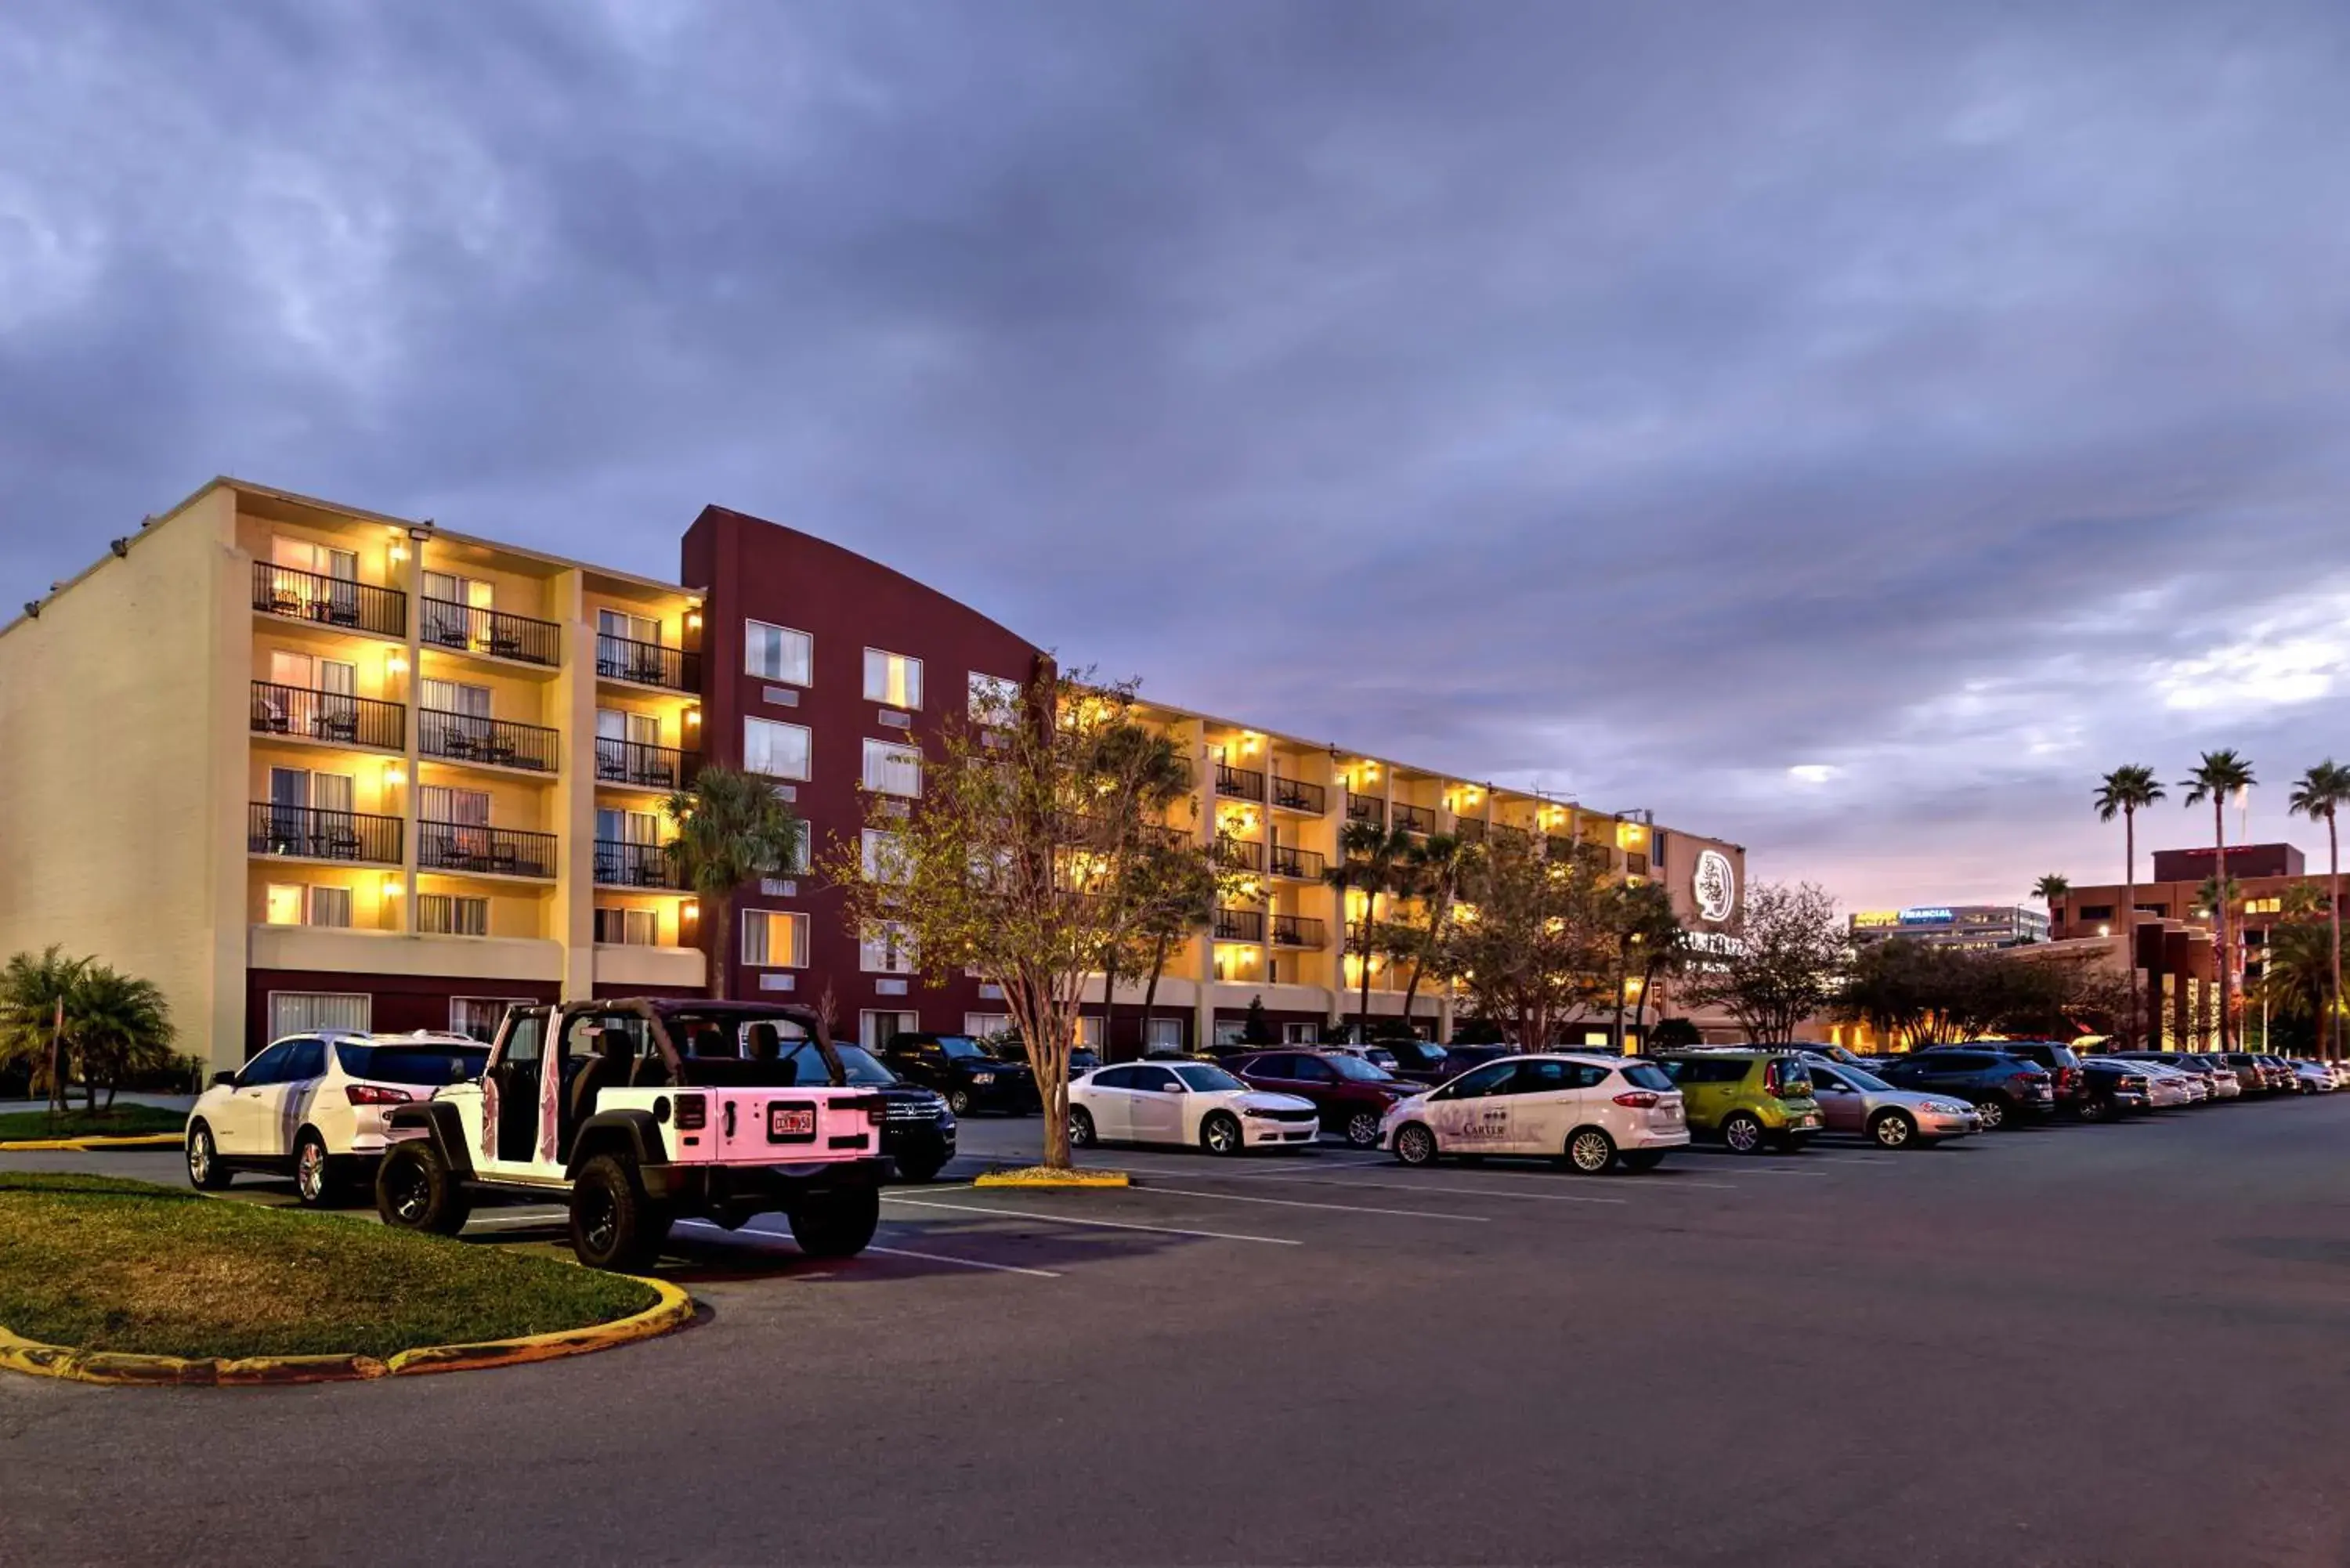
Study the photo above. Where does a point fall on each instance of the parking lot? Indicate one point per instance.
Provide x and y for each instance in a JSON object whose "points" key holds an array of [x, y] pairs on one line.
{"points": [[2118, 1343]]}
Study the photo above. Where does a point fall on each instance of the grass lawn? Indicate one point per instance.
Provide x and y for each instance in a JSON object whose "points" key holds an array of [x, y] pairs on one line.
{"points": [[108, 1264], [122, 1121]]}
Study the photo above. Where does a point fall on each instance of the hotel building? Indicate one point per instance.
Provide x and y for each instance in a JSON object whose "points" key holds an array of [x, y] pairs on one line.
{"points": [[306, 766]]}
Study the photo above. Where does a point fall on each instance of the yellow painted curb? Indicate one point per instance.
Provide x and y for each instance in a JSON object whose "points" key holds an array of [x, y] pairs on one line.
{"points": [[673, 1310], [1048, 1180], [89, 1145]]}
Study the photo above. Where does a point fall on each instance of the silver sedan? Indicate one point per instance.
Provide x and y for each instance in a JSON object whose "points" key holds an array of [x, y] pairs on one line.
{"points": [[1853, 1100]]}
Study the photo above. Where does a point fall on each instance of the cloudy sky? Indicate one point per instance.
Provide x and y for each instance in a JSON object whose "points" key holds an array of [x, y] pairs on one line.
{"points": [[1847, 429]]}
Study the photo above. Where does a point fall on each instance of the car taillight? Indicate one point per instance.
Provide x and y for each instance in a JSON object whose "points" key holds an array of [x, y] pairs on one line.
{"points": [[1638, 1100], [375, 1094], [1771, 1079], [693, 1111]]}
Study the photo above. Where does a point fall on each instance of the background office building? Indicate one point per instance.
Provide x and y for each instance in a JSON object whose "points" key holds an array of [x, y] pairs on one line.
{"points": [[1979, 926], [306, 766]]}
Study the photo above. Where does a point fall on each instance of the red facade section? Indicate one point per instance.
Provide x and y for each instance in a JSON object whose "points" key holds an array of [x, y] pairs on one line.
{"points": [[749, 569], [401, 1002]]}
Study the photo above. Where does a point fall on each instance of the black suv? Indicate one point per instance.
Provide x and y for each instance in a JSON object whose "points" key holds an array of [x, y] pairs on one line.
{"points": [[2003, 1088], [918, 1131], [1422, 1060], [2063, 1068], [963, 1070]]}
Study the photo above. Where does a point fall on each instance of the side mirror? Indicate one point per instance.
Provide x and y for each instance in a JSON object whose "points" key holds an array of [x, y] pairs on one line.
{"points": [[224, 1080]]}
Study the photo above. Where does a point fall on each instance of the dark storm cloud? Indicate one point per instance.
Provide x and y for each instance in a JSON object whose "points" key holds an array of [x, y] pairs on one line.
{"points": [[1943, 401]]}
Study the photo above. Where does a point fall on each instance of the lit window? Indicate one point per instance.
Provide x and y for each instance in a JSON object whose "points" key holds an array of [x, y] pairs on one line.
{"points": [[892, 679], [892, 769], [778, 750], [778, 653], [775, 938], [291, 904], [330, 907], [887, 949], [284, 907], [2263, 905], [450, 915], [993, 700], [627, 928], [986, 1025]]}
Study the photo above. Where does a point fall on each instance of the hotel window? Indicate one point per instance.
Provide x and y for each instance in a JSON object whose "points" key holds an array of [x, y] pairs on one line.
{"points": [[778, 653], [635, 627], [627, 928], [292, 904], [892, 769], [876, 1030], [452, 915], [883, 856], [983, 1026], [311, 1012], [778, 750], [775, 938], [803, 852], [886, 949], [893, 679], [993, 700], [479, 1016], [1166, 1033], [2093, 912], [324, 560], [447, 598], [2263, 905]]}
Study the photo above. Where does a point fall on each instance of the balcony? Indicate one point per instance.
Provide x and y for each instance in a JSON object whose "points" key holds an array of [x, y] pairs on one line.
{"points": [[468, 629], [496, 851], [1296, 931], [469, 738], [305, 834], [1239, 925], [1467, 829], [1241, 783], [329, 601], [334, 716], [1239, 855], [1417, 819], [1366, 808], [619, 865], [1296, 795], [1306, 864], [643, 766], [1558, 846], [647, 664]]}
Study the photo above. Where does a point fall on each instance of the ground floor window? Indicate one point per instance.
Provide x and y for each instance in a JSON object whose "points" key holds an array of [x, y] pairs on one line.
{"points": [[452, 915], [1164, 1033], [1089, 1031], [1299, 1034], [479, 1016], [980, 1025], [877, 1028], [308, 1011], [1229, 1031]]}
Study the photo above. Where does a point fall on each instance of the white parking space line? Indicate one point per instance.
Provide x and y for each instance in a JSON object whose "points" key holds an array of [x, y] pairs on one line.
{"points": [[1301, 1203], [966, 1263], [551, 1217], [1075, 1219], [1466, 1191]]}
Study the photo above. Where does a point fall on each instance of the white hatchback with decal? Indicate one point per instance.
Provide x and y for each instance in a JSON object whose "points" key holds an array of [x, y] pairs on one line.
{"points": [[1593, 1111]]}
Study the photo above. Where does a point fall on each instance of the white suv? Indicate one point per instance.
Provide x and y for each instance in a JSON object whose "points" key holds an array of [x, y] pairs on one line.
{"points": [[312, 1107], [1589, 1110]]}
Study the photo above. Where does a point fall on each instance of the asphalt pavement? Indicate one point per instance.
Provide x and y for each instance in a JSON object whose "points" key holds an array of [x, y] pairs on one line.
{"points": [[2119, 1345]]}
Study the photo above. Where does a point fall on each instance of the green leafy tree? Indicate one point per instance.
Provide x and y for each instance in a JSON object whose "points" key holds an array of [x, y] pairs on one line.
{"points": [[1649, 938], [2297, 964], [1784, 963], [2051, 889], [1161, 775], [2320, 795], [1674, 1034], [2123, 792], [2218, 776], [1370, 862], [1533, 946], [36, 994], [1018, 862], [1257, 1029], [732, 828]]}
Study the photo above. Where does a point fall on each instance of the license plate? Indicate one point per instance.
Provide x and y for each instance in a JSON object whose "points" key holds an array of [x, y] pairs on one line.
{"points": [[1807, 1121], [791, 1122], [1669, 1113]]}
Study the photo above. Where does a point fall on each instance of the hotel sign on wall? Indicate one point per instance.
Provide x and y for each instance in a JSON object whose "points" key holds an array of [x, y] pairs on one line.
{"points": [[1714, 885]]}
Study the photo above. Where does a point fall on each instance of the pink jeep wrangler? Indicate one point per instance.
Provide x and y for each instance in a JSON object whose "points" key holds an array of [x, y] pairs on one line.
{"points": [[640, 1113]]}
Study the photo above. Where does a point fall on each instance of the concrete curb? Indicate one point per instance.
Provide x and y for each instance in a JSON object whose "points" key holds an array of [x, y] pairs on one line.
{"points": [[92, 1144], [1046, 1182], [673, 1310]]}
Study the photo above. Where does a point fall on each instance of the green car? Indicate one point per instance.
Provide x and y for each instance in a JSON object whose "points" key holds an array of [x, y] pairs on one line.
{"points": [[1750, 1100]]}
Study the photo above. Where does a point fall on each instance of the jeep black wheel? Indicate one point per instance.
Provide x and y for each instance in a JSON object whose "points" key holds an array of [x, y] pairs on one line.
{"points": [[613, 1224], [836, 1224], [205, 1171], [416, 1190]]}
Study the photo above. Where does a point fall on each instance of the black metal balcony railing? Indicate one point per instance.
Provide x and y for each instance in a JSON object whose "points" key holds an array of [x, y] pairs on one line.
{"points": [[331, 601], [1288, 860], [1296, 795], [1558, 846], [1468, 829], [462, 846], [329, 716], [1296, 931], [1239, 855], [644, 766], [1241, 783], [1364, 808], [1518, 836], [1414, 818], [619, 865], [1239, 925], [647, 663], [322, 835], [468, 737], [447, 624]]}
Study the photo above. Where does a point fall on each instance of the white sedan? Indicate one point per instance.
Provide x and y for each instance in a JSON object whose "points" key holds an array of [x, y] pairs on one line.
{"points": [[1590, 1110], [1195, 1104], [311, 1107]]}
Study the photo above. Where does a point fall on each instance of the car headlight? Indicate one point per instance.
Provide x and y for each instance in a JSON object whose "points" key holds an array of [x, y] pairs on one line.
{"points": [[1950, 1108], [983, 1077], [1260, 1113]]}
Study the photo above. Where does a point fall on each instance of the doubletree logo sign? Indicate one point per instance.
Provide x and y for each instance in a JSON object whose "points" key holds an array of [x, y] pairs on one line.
{"points": [[1715, 885]]}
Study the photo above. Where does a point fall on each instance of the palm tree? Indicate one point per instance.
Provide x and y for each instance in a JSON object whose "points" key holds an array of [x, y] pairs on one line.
{"points": [[730, 827], [2218, 776], [1179, 897], [2322, 792], [2051, 889], [2123, 792], [1369, 857], [122, 1025], [1434, 867], [36, 994], [1640, 917]]}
